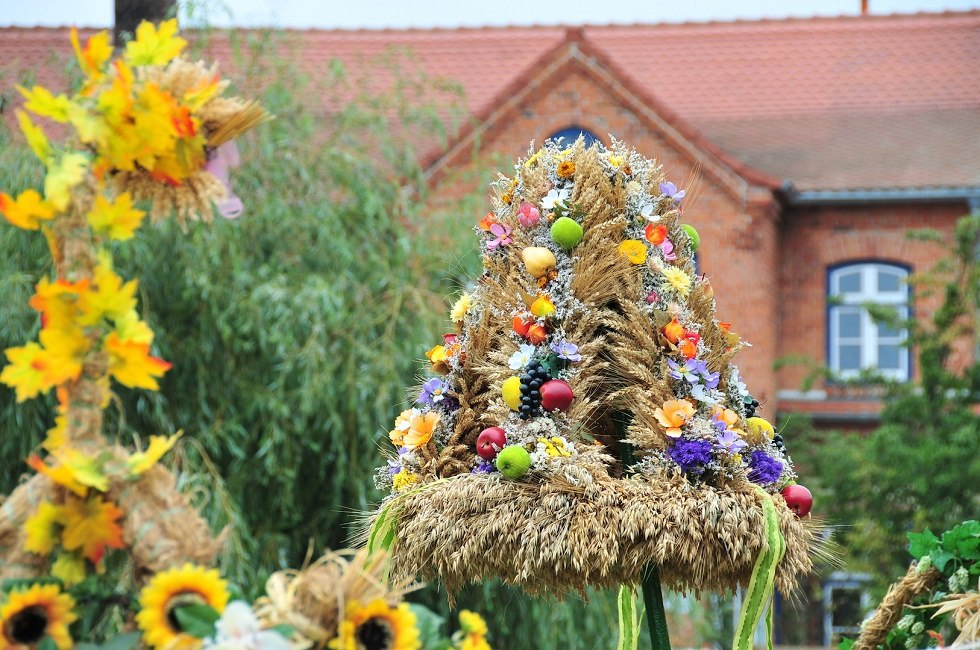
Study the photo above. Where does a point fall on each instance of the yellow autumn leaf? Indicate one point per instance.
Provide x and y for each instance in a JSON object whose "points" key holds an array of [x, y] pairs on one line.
{"points": [[154, 46], [91, 128], [44, 103], [36, 139], [84, 468], [107, 296], [98, 50], [117, 219], [69, 568], [64, 174], [43, 529], [131, 328], [64, 354], [131, 364], [58, 473], [141, 461], [27, 211], [25, 372], [91, 525]]}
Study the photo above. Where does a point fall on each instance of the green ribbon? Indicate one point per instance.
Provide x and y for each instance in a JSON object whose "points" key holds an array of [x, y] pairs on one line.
{"points": [[629, 619], [762, 584]]}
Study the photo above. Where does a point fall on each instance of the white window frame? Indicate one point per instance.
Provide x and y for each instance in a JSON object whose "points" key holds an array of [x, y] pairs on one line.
{"points": [[868, 340]]}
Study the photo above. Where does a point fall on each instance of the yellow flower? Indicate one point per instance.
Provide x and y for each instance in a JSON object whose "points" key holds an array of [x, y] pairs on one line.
{"points": [[131, 365], [677, 280], [36, 139], [420, 430], [118, 220], [43, 529], [69, 568], [91, 525], [473, 632], [727, 416], [566, 169], [152, 46], [170, 589], [462, 306], [404, 479], [634, 250], [27, 211], [377, 625], [64, 174], [43, 103], [32, 613], [472, 623], [141, 461], [673, 415], [25, 372], [438, 356], [615, 161], [555, 447]]}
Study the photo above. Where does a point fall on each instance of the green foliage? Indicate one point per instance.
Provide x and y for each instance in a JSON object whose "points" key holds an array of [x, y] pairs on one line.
{"points": [[919, 467], [958, 547]]}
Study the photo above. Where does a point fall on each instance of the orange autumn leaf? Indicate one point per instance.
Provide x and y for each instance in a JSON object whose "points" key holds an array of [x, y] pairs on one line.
{"points": [[27, 211], [60, 474], [131, 364], [91, 525]]}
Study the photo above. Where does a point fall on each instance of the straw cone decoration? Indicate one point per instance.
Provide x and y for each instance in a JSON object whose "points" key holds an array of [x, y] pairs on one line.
{"points": [[591, 356]]}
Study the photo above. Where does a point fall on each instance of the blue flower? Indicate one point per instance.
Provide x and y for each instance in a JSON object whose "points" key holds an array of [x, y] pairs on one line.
{"points": [[691, 455], [764, 469], [484, 467], [433, 392], [688, 371], [729, 441], [565, 350], [669, 189]]}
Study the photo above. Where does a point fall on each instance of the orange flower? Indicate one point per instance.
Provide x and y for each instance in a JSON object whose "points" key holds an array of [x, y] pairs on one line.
{"points": [[727, 416], [402, 424], [438, 356], [536, 334], [507, 198], [688, 348], [673, 331], [656, 234], [566, 169], [420, 430], [488, 220], [673, 415]]}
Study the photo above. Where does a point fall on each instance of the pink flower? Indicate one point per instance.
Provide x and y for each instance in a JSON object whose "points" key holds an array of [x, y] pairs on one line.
{"points": [[502, 234], [528, 215], [667, 247]]}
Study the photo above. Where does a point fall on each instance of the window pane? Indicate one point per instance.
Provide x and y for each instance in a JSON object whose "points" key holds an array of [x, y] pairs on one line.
{"points": [[889, 281], [889, 357], [849, 324], [849, 282], [887, 331], [849, 357]]}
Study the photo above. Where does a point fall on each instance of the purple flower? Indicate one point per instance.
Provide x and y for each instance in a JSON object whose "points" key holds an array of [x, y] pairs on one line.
{"points": [[565, 350], [670, 190], [687, 371], [710, 378], [502, 234], [433, 392], [691, 455], [764, 469], [729, 441], [718, 424], [394, 467], [484, 467], [667, 247]]}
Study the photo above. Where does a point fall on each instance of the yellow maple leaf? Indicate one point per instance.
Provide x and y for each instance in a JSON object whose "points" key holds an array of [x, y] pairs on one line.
{"points": [[27, 211], [98, 50], [58, 473], [141, 461], [43, 528], [108, 297], [131, 328], [26, 371], [91, 525], [91, 128], [69, 568], [117, 219], [131, 365], [44, 103], [36, 139], [64, 174], [196, 96], [57, 302], [64, 353], [152, 46], [85, 469]]}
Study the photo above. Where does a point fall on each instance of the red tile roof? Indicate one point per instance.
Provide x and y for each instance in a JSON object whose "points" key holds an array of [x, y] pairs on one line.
{"points": [[878, 102]]}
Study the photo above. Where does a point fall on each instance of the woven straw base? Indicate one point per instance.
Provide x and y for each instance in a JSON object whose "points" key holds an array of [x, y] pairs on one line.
{"points": [[557, 537]]}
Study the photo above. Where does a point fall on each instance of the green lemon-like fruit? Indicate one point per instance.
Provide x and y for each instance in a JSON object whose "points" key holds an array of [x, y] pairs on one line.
{"points": [[511, 391], [513, 461], [566, 232], [759, 430], [692, 234]]}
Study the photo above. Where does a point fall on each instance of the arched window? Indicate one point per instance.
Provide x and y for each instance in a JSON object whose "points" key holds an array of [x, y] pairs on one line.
{"points": [[570, 134], [856, 341]]}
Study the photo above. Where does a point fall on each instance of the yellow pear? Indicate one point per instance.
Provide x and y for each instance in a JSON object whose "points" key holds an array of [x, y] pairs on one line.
{"points": [[542, 307], [538, 260]]}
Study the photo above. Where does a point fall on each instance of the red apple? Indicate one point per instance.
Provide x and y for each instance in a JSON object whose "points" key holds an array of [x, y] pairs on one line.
{"points": [[556, 395], [490, 441], [798, 498]]}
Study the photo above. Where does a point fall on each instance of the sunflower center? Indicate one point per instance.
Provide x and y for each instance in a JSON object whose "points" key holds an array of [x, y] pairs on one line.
{"points": [[28, 626], [181, 600], [374, 634]]}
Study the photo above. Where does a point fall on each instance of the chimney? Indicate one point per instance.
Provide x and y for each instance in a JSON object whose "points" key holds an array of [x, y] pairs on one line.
{"points": [[130, 13], [864, 7]]}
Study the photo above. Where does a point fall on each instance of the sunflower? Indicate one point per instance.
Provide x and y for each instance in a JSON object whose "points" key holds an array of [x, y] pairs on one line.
{"points": [[32, 613], [168, 590], [377, 627]]}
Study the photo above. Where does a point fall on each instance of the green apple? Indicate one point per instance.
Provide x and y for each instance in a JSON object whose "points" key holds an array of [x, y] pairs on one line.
{"points": [[693, 235], [566, 232], [513, 461]]}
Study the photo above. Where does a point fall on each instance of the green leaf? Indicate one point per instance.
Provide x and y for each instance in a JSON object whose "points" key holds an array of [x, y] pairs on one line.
{"points": [[197, 620], [47, 643], [552, 363], [430, 626], [23, 583], [284, 630], [941, 558], [125, 641], [845, 644], [923, 543]]}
